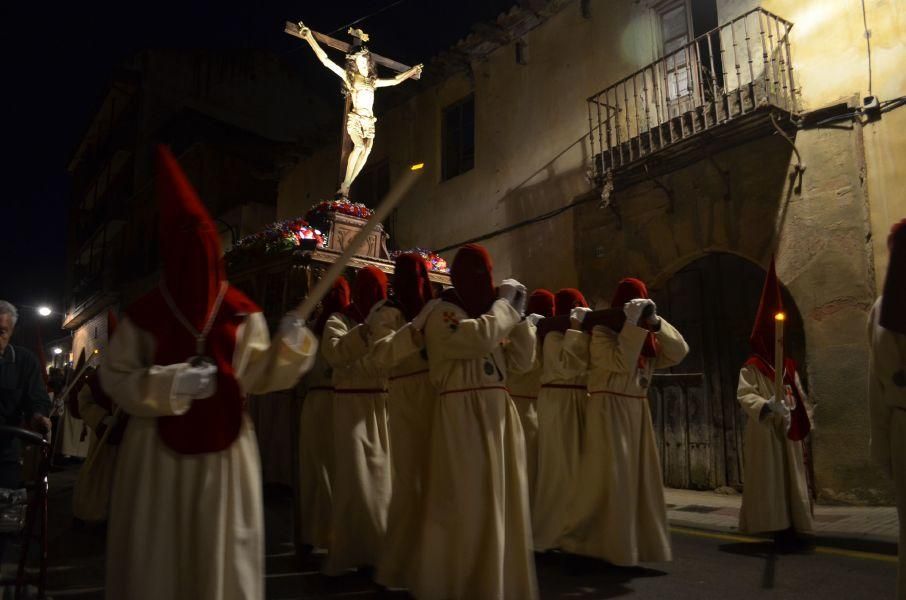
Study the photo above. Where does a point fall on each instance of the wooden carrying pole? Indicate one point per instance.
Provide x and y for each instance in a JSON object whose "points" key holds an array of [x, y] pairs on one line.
{"points": [[393, 197]]}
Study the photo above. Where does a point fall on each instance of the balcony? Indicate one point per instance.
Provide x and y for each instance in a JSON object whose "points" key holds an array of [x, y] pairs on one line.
{"points": [[727, 86]]}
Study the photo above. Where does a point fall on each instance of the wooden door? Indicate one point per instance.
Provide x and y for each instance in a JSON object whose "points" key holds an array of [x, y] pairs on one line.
{"points": [[698, 422]]}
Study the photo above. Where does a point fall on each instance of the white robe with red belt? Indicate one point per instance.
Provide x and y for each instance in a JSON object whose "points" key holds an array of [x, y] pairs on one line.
{"points": [[775, 492], [316, 456], [398, 348], [189, 526], [562, 403], [619, 513], [361, 484], [477, 536], [524, 389]]}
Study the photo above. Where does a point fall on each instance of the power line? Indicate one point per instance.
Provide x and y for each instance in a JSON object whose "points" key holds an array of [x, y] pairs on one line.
{"points": [[366, 17]]}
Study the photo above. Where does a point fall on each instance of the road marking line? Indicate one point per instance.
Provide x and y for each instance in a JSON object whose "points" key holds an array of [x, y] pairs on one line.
{"points": [[818, 549]]}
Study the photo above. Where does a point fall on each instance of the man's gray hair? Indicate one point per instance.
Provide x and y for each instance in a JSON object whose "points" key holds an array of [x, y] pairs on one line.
{"points": [[8, 309]]}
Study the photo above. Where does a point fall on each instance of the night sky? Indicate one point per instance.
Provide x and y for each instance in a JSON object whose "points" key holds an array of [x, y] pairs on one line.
{"points": [[58, 61]]}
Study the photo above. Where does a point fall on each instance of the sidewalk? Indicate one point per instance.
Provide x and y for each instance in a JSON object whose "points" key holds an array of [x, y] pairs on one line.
{"points": [[875, 525]]}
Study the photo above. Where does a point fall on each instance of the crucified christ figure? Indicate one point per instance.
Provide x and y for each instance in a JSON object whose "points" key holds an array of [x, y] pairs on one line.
{"points": [[360, 81]]}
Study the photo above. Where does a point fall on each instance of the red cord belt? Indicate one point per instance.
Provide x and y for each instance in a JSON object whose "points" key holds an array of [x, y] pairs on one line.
{"points": [[474, 389], [321, 388], [609, 393], [562, 386]]}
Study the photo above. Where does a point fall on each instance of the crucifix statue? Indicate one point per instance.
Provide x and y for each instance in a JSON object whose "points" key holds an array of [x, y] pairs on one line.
{"points": [[360, 80]]}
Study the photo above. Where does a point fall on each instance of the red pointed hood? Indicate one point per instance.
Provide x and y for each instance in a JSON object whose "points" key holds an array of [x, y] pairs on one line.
{"points": [[540, 302], [473, 280], [762, 338], [567, 299], [193, 267], [369, 288], [633, 289], [411, 285], [336, 300], [193, 273], [893, 304]]}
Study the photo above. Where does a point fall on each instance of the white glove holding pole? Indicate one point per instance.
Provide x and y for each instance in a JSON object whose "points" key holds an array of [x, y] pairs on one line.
{"points": [[421, 319], [635, 308], [515, 293], [196, 382], [577, 316], [534, 318]]}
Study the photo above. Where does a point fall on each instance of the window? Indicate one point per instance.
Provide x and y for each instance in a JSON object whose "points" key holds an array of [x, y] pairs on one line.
{"points": [[458, 136], [674, 21]]}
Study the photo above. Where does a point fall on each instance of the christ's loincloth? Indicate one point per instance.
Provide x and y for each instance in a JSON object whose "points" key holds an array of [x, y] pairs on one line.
{"points": [[360, 126]]}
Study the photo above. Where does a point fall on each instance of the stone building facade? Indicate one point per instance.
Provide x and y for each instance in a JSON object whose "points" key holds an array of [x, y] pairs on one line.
{"points": [[701, 233]]}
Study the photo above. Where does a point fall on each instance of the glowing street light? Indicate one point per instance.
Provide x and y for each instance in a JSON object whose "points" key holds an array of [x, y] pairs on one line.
{"points": [[57, 351], [44, 311]]}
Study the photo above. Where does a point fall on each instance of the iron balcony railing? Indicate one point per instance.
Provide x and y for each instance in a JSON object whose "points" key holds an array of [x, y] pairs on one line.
{"points": [[733, 70]]}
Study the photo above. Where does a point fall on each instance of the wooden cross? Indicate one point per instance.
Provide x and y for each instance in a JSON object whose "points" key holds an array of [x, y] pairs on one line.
{"points": [[294, 30]]}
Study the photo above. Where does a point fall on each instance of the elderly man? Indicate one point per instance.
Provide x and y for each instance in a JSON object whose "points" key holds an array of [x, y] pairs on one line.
{"points": [[23, 397]]}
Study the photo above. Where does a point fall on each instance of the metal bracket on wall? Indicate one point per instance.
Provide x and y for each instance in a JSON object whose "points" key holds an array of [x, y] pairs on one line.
{"points": [[607, 199], [799, 167], [725, 175], [670, 195]]}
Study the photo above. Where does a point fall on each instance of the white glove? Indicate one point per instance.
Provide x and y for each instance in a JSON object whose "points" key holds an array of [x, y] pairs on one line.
{"points": [[196, 382], [293, 331], [421, 319], [514, 293], [534, 318], [634, 309], [578, 314]]}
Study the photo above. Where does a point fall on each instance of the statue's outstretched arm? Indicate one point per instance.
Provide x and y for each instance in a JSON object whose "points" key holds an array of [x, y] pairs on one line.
{"points": [[306, 34], [416, 70]]}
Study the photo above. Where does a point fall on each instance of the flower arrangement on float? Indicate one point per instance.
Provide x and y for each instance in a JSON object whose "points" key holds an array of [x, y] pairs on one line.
{"points": [[353, 209], [435, 261], [276, 238]]}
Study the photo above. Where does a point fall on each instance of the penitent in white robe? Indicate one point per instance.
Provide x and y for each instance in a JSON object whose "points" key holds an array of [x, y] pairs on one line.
{"points": [[619, 513], [477, 539], [887, 408], [775, 492], [524, 388], [398, 348], [562, 403], [189, 526], [316, 456], [361, 484]]}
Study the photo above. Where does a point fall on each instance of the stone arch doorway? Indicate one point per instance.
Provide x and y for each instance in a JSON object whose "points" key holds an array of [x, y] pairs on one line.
{"points": [[697, 420]]}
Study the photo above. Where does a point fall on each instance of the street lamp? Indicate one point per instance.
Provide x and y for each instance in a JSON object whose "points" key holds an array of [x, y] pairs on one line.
{"points": [[57, 351], [44, 311]]}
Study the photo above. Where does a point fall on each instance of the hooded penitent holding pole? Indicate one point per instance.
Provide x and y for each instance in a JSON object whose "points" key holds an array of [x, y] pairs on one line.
{"points": [[398, 346], [316, 434], [562, 402], [775, 496], [361, 483], [619, 513], [887, 382], [476, 540], [91, 494], [524, 388], [186, 513]]}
